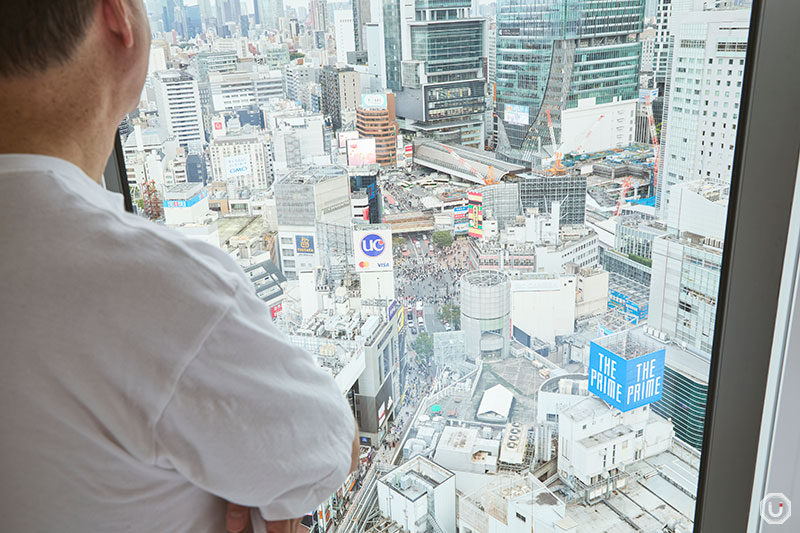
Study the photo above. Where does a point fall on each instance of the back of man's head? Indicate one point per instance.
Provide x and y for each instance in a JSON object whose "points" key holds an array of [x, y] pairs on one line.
{"points": [[69, 72], [38, 34]]}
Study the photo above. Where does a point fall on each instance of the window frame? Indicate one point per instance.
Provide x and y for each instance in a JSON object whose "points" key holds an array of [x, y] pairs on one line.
{"points": [[755, 243]]}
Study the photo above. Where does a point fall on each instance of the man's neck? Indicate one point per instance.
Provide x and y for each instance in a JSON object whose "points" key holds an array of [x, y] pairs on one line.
{"points": [[48, 126]]}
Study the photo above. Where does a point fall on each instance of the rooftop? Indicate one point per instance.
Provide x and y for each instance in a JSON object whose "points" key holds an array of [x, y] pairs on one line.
{"points": [[311, 175], [629, 344]]}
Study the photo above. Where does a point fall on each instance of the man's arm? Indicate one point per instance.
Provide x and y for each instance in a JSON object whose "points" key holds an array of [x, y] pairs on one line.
{"points": [[237, 519]]}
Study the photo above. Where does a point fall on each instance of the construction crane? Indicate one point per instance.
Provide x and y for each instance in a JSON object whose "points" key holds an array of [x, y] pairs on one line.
{"points": [[654, 137], [489, 180], [626, 185], [558, 167], [579, 149]]}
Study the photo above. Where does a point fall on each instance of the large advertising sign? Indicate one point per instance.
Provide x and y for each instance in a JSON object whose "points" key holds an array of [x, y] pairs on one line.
{"points": [[237, 166], [374, 101], [645, 93], [625, 383], [361, 152], [461, 220], [347, 136], [373, 250], [275, 309], [475, 214], [402, 320], [392, 309], [186, 203], [517, 114], [305, 244]]}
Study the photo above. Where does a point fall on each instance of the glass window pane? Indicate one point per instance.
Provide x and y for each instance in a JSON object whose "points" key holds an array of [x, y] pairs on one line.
{"points": [[499, 226]]}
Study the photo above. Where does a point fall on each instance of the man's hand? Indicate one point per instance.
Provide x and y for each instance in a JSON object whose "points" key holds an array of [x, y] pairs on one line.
{"points": [[356, 453], [237, 520]]}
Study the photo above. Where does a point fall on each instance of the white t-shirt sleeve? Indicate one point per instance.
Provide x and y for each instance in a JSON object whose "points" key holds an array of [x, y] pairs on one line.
{"points": [[254, 420]]}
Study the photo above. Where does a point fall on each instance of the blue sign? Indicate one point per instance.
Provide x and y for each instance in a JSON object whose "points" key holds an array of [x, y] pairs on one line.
{"points": [[372, 245], [626, 383], [305, 244], [186, 203], [392, 310]]}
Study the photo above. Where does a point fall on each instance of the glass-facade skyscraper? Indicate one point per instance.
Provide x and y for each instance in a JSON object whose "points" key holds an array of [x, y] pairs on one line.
{"points": [[435, 61], [551, 54]]}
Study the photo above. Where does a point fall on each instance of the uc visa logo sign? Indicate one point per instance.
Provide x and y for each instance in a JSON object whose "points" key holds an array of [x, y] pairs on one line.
{"points": [[372, 245]]}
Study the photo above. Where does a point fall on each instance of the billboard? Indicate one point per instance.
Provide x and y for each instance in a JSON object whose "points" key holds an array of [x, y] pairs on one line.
{"points": [[517, 114], [186, 203], [402, 320], [361, 152], [475, 214], [644, 93], [461, 220], [347, 136], [218, 127], [625, 383], [305, 244], [275, 309], [238, 166], [374, 101], [373, 250], [392, 309]]}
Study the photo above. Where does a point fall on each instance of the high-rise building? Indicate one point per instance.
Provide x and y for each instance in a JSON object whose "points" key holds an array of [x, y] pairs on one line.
{"points": [[344, 31], [361, 16], [240, 89], [178, 101], [375, 117], [684, 287], [577, 59], [703, 96], [268, 13], [318, 14], [440, 79], [341, 94], [303, 198], [243, 160]]}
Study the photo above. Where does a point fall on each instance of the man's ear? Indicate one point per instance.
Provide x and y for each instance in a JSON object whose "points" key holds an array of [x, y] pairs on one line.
{"points": [[117, 18]]}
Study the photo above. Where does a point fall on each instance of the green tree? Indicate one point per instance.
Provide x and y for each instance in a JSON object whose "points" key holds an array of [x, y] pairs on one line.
{"points": [[452, 314], [296, 55], [443, 239], [423, 345]]}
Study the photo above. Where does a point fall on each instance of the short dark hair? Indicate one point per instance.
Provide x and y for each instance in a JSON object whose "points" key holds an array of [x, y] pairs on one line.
{"points": [[38, 34]]}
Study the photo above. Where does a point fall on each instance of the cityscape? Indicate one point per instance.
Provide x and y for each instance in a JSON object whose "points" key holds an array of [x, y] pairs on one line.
{"points": [[497, 225]]}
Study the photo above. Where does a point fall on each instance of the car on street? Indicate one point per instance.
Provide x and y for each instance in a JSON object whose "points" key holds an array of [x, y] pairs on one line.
{"points": [[413, 330]]}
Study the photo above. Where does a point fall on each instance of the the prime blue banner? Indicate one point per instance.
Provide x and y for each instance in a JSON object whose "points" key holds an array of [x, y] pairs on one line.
{"points": [[626, 383]]}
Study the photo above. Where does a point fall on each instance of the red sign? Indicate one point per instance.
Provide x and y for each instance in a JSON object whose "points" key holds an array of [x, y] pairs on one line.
{"points": [[218, 125], [276, 309]]}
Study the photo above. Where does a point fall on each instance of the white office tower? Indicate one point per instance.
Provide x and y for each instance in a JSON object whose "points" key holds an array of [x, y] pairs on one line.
{"points": [[303, 198], [297, 76], [419, 496], [703, 97], [178, 100], [298, 137], [242, 160], [241, 89], [186, 210], [344, 33]]}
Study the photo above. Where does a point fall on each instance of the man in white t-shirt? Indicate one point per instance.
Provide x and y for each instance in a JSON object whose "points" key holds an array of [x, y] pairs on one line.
{"points": [[142, 383]]}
